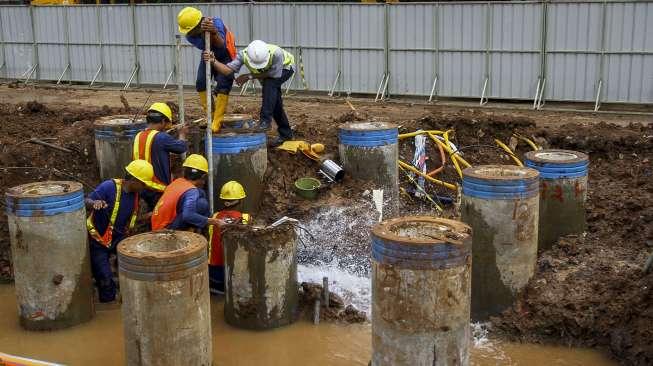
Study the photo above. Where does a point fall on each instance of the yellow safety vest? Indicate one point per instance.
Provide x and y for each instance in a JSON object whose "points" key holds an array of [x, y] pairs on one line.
{"points": [[288, 59], [106, 238], [143, 145]]}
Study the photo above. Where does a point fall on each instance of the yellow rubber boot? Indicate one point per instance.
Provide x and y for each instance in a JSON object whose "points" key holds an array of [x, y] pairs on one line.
{"points": [[202, 95], [218, 113]]}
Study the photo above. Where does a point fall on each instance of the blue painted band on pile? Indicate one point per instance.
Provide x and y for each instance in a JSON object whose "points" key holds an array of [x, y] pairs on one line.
{"points": [[368, 138], [45, 206], [234, 144], [157, 271], [108, 133], [418, 256], [560, 170], [500, 188]]}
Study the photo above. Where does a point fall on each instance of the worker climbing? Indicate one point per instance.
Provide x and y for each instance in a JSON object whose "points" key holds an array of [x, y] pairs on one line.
{"points": [[223, 45], [183, 205], [114, 212], [154, 145], [272, 66], [232, 194]]}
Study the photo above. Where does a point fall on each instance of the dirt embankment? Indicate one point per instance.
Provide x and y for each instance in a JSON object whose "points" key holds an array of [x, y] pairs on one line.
{"points": [[588, 289]]}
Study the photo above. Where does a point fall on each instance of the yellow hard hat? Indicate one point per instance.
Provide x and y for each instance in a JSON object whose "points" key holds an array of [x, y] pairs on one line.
{"points": [[163, 109], [232, 190], [141, 170], [318, 148], [188, 18], [198, 162]]}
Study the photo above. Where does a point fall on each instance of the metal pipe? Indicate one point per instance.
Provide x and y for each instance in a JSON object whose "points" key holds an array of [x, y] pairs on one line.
{"points": [[335, 82], [131, 77], [325, 290], [209, 119], [168, 79], [597, 103], [483, 92], [537, 92], [35, 56]]}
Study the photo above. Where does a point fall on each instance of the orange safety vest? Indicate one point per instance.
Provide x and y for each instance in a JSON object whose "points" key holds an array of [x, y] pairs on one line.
{"points": [[106, 238], [165, 210], [230, 42], [216, 251], [143, 150]]}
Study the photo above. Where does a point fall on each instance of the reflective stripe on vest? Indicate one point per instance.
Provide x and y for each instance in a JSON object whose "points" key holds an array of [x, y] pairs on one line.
{"points": [[288, 59], [216, 251], [165, 210], [106, 238], [143, 145]]}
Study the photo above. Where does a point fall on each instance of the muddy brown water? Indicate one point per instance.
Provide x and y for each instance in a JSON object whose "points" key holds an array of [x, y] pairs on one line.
{"points": [[100, 342]]}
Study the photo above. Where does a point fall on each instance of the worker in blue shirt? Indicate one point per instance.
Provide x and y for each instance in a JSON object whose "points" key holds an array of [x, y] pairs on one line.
{"points": [[183, 203], [154, 145], [223, 45], [113, 207]]}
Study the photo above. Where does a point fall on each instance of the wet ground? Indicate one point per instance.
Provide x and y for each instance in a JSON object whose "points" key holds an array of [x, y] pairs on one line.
{"points": [[100, 342]]}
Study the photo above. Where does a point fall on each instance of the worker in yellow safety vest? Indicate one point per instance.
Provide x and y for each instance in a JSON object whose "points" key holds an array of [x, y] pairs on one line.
{"points": [[232, 194], [113, 207], [271, 66], [154, 145]]}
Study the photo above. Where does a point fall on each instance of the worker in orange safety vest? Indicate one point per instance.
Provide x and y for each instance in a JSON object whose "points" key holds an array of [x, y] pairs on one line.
{"points": [[232, 194], [113, 207], [154, 145], [180, 207]]}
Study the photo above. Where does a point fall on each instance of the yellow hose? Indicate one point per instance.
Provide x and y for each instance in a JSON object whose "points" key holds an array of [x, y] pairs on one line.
{"points": [[428, 196], [527, 140], [430, 179], [452, 155], [413, 134], [507, 149]]}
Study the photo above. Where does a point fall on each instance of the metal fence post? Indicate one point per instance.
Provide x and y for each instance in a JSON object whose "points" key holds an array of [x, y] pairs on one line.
{"points": [[436, 45], [597, 102], [4, 52], [488, 40], [137, 65], [101, 44], [35, 52], [386, 46], [544, 36], [67, 40]]}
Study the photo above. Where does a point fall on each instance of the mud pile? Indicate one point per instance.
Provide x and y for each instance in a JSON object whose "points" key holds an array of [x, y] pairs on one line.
{"points": [[309, 293], [590, 289]]}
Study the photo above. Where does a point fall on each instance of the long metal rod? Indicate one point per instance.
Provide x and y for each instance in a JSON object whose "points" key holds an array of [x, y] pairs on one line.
{"points": [[131, 77], [338, 83], [601, 70], [4, 52], [483, 99], [135, 44], [209, 120], [67, 39], [537, 92], [597, 103]]}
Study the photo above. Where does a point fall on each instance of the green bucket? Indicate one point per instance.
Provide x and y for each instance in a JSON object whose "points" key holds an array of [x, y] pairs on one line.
{"points": [[307, 187]]}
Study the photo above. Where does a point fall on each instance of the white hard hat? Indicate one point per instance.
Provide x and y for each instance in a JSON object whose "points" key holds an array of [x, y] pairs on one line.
{"points": [[258, 54]]}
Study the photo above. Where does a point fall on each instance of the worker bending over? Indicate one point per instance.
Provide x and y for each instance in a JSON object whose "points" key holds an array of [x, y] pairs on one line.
{"points": [[181, 206], [231, 194], [272, 66], [223, 45], [114, 209]]}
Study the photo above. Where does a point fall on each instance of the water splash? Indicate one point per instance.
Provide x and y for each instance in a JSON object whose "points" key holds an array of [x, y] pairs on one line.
{"points": [[353, 289]]}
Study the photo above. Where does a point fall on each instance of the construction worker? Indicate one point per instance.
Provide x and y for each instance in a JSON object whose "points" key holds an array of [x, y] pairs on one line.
{"points": [[231, 194], [183, 203], [272, 66], [223, 45], [154, 145], [114, 209]]}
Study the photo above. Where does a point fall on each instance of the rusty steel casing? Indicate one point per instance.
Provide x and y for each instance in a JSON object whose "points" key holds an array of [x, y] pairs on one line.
{"points": [[165, 290], [261, 289], [50, 253], [501, 204], [563, 193], [421, 283], [369, 152], [114, 138]]}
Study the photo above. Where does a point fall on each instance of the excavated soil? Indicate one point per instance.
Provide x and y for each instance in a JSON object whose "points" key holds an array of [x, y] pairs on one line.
{"points": [[589, 289]]}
